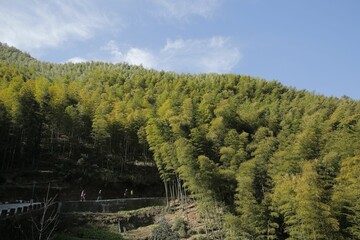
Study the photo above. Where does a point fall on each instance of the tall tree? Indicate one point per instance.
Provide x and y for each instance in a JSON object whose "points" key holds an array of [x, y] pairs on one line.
{"points": [[346, 198]]}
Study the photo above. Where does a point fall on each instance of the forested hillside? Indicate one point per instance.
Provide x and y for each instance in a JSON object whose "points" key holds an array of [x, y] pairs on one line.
{"points": [[262, 161]]}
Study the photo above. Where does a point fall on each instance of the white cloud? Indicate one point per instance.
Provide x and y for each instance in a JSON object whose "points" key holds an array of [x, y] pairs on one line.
{"points": [[114, 50], [183, 9], [76, 60], [215, 54], [134, 56], [143, 57], [37, 24]]}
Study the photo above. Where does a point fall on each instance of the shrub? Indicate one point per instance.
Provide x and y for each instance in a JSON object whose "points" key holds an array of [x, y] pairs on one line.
{"points": [[163, 231], [180, 226]]}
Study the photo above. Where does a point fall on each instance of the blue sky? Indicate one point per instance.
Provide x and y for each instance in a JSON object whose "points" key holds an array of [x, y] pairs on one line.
{"points": [[306, 44]]}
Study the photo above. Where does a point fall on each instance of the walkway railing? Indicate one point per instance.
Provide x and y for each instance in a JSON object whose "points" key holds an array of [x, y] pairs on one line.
{"points": [[101, 206], [110, 205], [12, 209]]}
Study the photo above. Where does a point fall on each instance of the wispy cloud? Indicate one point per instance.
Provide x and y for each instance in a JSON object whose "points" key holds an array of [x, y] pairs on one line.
{"points": [[37, 24], [134, 56], [183, 9], [216, 54]]}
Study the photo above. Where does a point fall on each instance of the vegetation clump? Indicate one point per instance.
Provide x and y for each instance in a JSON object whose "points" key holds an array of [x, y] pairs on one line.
{"points": [[163, 231], [88, 232]]}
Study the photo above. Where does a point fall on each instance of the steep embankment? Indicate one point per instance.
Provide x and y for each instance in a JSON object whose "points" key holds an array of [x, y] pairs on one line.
{"points": [[179, 222]]}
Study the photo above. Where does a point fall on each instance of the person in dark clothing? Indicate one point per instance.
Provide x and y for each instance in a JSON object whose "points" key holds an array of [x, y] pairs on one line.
{"points": [[99, 196]]}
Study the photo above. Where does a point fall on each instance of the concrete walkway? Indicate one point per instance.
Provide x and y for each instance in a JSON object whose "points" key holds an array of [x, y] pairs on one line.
{"points": [[16, 208], [110, 205]]}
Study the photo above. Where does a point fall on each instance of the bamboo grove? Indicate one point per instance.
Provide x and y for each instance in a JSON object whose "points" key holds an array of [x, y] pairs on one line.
{"points": [[261, 160]]}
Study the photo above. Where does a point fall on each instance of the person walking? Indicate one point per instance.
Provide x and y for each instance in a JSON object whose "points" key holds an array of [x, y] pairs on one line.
{"points": [[99, 196], [82, 195]]}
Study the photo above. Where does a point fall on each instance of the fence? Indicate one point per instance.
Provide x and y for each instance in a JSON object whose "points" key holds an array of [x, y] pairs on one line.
{"points": [[111, 205], [8, 210]]}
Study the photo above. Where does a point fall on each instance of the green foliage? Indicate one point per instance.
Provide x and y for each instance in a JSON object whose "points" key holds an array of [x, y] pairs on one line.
{"points": [[315, 216], [251, 210], [232, 225], [180, 227], [346, 197], [88, 233], [300, 201], [163, 231]]}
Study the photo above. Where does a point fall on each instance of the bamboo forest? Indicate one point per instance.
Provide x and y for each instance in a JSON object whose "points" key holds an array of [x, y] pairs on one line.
{"points": [[259, 160]]}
